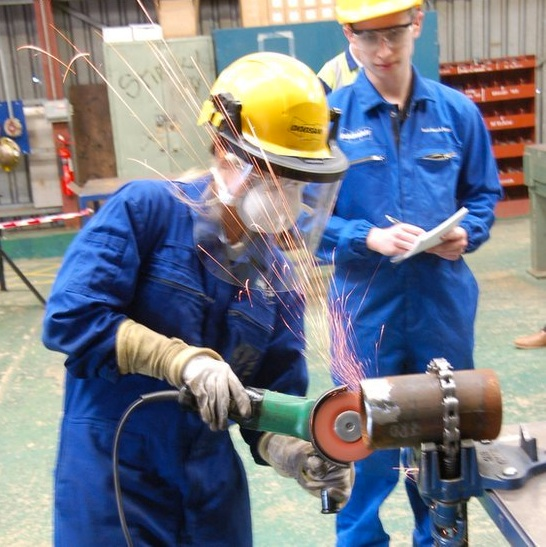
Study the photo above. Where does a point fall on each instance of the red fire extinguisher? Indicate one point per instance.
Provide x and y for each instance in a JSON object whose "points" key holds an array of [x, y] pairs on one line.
{"points": [[67, 169]]}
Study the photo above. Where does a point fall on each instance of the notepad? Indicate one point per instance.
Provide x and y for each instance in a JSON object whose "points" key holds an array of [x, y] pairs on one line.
{"points": [[432, 237]]}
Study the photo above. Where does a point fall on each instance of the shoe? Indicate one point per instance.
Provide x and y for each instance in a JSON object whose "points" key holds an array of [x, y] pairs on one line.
{"points": [[531, 341]]}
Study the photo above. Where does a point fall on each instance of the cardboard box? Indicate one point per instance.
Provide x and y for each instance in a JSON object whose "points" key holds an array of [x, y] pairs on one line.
{"points": [[117, 34], [178, 18], [255, 13], [146, 32], [132, 33], [259, 13]]}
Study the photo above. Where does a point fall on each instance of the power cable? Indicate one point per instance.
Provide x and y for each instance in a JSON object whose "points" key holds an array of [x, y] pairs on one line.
{"points": [[158, 396]]}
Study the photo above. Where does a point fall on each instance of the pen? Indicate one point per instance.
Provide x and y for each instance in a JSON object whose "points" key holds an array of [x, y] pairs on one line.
{"points": [[392, 220]]}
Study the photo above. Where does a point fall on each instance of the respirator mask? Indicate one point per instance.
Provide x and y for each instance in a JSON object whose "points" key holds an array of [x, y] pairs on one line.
{"points": [[263, 202], [278, 221]]}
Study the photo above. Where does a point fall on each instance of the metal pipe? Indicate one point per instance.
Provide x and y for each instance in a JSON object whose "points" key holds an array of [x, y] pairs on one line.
{"points": [[408, 410]]}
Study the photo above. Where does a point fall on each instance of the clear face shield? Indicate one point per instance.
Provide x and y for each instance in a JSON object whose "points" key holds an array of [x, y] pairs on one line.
{"points": [[259, 230]]}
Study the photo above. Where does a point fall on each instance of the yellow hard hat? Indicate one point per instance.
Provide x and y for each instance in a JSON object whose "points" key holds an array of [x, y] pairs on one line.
{"points": [[353, 11], [273, 107], [10, 154]]}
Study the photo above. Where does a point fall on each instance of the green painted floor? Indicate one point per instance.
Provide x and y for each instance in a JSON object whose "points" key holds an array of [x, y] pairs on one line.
{"points": [[31, 378]]}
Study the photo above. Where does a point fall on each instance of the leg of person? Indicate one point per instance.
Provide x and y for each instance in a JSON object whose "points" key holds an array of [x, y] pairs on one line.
{"points": [[452, 340], [168, 498], [358, 523], [422, 533], [216, 497], [85, 511]]}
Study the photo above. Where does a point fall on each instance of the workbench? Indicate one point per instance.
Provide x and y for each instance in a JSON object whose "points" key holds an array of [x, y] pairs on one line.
{"points": [[95, 191], [520, 513]]}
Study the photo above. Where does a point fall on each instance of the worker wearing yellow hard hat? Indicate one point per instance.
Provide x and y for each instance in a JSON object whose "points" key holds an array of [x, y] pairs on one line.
{"points": [[343, 68], [352, 11], [194, 283], [419, 152]]}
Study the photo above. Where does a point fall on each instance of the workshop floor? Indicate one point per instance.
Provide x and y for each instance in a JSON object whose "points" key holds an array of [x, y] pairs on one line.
{"points": [[31, 381]]}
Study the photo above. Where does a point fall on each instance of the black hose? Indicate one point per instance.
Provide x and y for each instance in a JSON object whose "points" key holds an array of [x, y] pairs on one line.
{"points": [[156, 397]]}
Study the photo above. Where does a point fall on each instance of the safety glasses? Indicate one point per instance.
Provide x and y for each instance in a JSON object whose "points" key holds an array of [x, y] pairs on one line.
{"points": [[392, 36]]}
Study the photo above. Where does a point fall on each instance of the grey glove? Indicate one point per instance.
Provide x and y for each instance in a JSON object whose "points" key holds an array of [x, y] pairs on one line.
{"points": [[296, 458], [140, 350], [215, 387]]}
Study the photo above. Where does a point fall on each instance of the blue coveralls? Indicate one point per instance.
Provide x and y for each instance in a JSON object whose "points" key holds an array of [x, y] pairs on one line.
{"points": [[182, 484], [402, 316]]}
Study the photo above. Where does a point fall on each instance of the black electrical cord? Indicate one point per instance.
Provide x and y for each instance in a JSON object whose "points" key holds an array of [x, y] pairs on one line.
{"points": [[156, 397]]}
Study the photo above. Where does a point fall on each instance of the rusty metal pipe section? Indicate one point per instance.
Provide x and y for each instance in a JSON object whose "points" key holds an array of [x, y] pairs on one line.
{"points": [[402, 411]]}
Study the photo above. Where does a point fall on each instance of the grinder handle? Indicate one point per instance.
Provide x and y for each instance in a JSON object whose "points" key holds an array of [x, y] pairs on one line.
{"points": [[329, 506]]}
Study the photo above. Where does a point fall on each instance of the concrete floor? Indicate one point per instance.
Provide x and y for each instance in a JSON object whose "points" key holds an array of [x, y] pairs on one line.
{"points": [[31, 385]]}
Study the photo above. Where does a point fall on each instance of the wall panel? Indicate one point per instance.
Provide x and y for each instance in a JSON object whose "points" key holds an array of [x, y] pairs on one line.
{"points": [[79, 22], [481, 29], [467, 29]]}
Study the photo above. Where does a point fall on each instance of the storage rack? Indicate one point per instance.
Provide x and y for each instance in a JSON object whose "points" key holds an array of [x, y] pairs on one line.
{"points": [[504, 90]]}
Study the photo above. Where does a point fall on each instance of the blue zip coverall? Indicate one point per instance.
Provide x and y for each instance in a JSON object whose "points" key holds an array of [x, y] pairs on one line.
{"points": [[182, 484], [401, 316]]}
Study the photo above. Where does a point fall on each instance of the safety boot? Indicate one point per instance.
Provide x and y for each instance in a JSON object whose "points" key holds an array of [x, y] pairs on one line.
{"points": [[531, 341]]}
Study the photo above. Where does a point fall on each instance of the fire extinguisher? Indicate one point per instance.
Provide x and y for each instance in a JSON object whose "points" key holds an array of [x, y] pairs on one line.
{"points": [[67, 169]]}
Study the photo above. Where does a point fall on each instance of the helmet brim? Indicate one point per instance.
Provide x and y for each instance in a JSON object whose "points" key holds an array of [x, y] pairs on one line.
{"points": [[327, 170]]}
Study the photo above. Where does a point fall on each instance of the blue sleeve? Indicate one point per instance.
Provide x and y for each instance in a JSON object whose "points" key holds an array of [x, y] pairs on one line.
{"points": [[478, 188], [344, 240], [97, 279]]}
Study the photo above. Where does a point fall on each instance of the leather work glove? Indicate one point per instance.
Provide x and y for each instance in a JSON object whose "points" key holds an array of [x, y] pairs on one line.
{"points": [[296, 458], [216, 388], [140, 350]]}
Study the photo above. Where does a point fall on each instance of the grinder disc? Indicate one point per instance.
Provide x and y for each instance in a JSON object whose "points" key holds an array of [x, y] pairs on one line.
{"points": [[325, 424]]}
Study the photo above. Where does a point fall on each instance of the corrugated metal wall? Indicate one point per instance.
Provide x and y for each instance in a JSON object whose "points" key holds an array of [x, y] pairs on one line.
{"points": [[81, 21], [482, 29], [23, 79], [16, 74], [79, 24], [467, 29]]}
